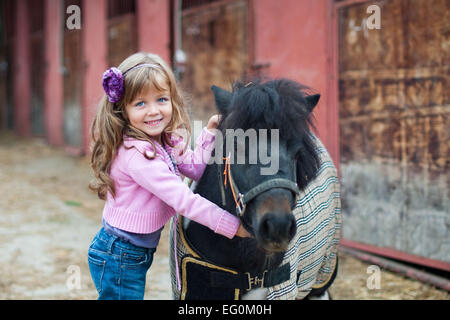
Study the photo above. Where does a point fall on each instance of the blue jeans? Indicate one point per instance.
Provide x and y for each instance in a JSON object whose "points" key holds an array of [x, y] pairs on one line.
{"points": [[118, 268]]}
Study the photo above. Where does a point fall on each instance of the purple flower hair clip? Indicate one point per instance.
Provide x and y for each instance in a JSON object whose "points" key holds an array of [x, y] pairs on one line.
{"points": [[113, 84]]}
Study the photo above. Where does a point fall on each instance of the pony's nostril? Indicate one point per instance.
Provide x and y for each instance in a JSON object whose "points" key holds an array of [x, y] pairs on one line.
{"points": [[276, 228]]}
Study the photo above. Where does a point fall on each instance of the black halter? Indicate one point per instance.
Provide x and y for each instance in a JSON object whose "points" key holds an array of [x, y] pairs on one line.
{"points": [[208, 270]]}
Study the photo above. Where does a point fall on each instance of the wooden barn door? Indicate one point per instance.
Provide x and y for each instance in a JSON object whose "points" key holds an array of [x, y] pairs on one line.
{"points": [[214, 41], [7, 8], [122, 37], [37, 66], [394, 108], [73, 75]]}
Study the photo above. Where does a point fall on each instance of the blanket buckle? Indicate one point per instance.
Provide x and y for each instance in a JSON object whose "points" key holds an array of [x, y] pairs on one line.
{"points": [[255, 282]]}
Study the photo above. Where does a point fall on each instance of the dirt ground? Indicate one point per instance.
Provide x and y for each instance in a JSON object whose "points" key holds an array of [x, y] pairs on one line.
{"points": [[48, 217]]}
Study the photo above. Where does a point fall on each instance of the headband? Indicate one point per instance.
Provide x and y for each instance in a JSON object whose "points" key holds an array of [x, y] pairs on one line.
{"points": [[113, 82]]}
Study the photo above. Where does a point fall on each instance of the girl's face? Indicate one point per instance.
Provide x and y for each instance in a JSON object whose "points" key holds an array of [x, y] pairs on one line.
{"points": [[151, 112]]}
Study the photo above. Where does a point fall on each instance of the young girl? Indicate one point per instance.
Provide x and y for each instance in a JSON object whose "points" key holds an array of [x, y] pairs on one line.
{"points": [[137, 158]]}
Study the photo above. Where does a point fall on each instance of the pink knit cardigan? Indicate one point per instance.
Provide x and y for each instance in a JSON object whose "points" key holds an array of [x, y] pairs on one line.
{"points": [[150, 192]]}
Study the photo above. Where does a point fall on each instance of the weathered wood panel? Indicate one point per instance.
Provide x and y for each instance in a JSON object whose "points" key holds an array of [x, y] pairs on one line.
{"points": [[73, 76], [7, 8], [214, 39], [122, 39], [394, 107]]}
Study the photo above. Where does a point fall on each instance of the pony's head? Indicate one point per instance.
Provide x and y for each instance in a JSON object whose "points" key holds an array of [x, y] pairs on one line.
{"points": [[266, 134]]}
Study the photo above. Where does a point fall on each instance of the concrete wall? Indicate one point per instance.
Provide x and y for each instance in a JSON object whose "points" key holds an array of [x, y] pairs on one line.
{"points": [[384, 208]]}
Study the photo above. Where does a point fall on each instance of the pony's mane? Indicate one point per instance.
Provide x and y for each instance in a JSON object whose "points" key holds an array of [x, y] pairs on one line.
{"points": [[277, 104]]}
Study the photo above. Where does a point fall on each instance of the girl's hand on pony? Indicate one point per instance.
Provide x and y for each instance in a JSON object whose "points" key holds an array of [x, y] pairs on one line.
{"points": [[241, 232], [213, 122]]}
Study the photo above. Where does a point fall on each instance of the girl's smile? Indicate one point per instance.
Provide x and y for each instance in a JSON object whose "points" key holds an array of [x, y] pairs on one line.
{"points": [[154, 123], [151, 112]]}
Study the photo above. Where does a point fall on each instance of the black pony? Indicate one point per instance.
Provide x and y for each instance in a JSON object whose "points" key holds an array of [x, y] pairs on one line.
{"points": [[221, 268]]}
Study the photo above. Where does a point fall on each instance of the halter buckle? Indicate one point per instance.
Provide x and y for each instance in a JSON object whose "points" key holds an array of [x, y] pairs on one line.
{"points": [[255, 282], [240, 205]]}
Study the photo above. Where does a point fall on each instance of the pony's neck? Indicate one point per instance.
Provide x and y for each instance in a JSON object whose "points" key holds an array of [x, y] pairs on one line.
{"points": [[242, 254]]}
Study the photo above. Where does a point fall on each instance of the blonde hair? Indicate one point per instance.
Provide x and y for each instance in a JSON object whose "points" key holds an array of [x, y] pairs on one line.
{"points": [[111, 121]]}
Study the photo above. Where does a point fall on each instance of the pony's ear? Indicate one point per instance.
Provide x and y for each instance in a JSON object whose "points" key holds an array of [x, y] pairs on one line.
{"points": [[312, 101], [222, 99]]}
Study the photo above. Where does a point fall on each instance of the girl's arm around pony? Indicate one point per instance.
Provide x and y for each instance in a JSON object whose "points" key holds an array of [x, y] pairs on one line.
{"points": [[190, 163], [156, 177]]}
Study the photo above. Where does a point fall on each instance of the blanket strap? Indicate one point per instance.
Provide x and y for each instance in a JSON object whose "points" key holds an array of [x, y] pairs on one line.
{"points": [[245, 281]]}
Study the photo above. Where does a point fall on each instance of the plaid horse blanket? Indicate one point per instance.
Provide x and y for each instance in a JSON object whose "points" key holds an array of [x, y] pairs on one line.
{"points": [[312, 254]]}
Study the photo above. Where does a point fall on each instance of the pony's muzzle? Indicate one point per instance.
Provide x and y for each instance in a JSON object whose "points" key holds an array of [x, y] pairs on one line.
{"points": [[276, 230]]}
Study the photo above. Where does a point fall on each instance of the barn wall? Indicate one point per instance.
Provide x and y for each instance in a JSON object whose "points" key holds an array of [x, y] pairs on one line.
{"points": [[394, 105], [21, 70], [232, 57], [53, 88], [214, 39], [7, 10], [122, 37], [229, 40], [94, 52], [37, 66], [73, 66], [154, 15], [291, 41]]}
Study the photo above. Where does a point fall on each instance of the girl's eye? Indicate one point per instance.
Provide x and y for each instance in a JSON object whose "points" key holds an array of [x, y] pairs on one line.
{"points": [[140, 104], [163, 99]]}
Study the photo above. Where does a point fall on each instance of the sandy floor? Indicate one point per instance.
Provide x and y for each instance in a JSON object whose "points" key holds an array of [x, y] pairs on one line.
{"points": [[48, 217]]}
